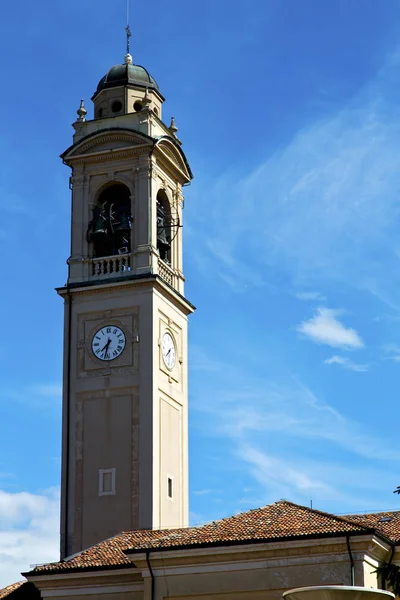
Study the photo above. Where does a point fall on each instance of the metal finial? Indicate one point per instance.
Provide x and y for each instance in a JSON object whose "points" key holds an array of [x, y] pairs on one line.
{"points": [[81, 112], [128, 31], [173, 128]]}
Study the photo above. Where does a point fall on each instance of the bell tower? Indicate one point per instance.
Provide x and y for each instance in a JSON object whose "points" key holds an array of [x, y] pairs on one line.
{"points": [[125, 398]]}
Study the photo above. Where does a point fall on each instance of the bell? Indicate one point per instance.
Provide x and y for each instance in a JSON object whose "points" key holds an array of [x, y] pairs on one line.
{"points": [[162, 239], [124, 223], [99, 228]]}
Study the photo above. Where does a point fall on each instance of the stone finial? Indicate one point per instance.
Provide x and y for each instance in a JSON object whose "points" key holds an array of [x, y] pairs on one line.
{"points": [[81, 112], [128, 59], [147, 99], [173, 128]]}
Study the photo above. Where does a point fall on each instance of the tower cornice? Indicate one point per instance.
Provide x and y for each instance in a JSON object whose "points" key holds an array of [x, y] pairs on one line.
{"points": [[102, 286]]}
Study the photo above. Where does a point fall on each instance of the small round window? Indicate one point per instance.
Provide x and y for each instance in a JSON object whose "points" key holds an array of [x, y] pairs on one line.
{"points": [[116, 106], [138, 106]]}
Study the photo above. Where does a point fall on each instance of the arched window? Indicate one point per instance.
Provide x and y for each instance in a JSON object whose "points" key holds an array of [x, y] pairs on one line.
{"points": [[110, 228], [164, 227]]}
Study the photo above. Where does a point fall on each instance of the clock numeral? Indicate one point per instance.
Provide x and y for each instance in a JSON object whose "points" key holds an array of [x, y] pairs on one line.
{"points": [[115, 331], [98, 338], [119, 348], [98, 351], [115, 353], [108, 329], [95, 345]]}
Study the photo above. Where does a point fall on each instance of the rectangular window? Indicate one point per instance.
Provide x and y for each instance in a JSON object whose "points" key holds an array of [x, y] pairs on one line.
{"points": [[169, 487], [106, 482]]}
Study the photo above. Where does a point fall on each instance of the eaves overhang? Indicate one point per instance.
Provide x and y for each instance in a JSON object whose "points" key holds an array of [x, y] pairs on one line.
{"points": [[270, 540], [131, 553]]}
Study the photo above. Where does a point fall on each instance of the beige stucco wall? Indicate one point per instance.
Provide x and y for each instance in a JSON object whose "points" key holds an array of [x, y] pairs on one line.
{"points": [[129, 414], [251, 571]]}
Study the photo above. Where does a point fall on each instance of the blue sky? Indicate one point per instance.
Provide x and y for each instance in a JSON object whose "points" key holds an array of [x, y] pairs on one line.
{"points": [[289, 114]]}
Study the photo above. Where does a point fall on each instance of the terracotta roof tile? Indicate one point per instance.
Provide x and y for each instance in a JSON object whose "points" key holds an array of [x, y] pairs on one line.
{"points": [[273, 522], [387, 523], [11, 588]]}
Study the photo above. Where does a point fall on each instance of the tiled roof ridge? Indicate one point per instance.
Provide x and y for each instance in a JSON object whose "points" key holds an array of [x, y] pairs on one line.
{"points": [[342, 519], [11, 588], [376, 513], [281, 520]]}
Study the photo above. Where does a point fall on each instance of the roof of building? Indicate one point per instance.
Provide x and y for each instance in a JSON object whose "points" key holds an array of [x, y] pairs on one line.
{"points": [[11, 588], [387, 523], [278, 521], [127, 74]]}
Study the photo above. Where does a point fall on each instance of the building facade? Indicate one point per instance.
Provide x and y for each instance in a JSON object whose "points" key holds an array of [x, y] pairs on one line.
{"points": [[251, 556]]}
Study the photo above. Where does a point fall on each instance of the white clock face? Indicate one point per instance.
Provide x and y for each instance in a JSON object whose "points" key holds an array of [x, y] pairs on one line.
{"points": [[108, 342], [168, 351]]}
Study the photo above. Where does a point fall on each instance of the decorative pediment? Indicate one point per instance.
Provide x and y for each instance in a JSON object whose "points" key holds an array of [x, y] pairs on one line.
{"points": [[106, 141], [172, 154]]}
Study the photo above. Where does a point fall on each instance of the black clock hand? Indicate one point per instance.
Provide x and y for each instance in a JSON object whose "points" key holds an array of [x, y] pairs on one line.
{"points": [[105, 348]]}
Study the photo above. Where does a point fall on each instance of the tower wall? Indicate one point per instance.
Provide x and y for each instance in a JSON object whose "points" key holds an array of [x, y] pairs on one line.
{"points": [[125, 413]]}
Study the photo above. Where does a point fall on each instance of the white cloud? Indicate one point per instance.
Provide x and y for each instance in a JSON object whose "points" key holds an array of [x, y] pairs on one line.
{"points": [[292, 442], [393, 352], [310, 296], [324, 207], [243, 407], [303, 479], [325, 328], [346, 363], [29, 532]]}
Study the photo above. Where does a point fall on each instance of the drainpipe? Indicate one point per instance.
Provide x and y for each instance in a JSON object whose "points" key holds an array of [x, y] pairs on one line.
{"points": [[151, 574], [352, 570]]}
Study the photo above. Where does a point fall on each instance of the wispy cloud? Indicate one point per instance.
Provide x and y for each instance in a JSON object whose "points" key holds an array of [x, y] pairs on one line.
{"points": [[325, 328], [392, 352], [346, 363], [247, 407], [286, 435], [39, 395], [206, 492], [331, 209], [310, 296]]}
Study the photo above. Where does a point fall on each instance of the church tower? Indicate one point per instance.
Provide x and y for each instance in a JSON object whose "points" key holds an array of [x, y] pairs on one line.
{"points": [[125, 398]]}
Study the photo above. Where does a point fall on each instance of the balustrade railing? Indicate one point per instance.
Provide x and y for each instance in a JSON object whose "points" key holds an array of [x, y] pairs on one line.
{"points": [[111, 265], [166, 272]]}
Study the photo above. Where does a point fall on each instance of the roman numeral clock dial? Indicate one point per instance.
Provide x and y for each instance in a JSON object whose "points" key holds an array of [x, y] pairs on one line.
{"points": [[108, 343], [168, 351]]}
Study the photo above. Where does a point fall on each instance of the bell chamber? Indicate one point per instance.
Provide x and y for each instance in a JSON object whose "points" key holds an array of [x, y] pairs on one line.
{"points": [[109, 231]]}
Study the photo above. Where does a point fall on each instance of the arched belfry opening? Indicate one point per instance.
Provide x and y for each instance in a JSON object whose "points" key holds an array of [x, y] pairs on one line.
{"points": [[164, 221], [109, 231]]}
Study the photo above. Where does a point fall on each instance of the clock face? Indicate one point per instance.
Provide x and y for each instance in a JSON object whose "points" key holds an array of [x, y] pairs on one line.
{"points": [[168, 351], [108, 342]]}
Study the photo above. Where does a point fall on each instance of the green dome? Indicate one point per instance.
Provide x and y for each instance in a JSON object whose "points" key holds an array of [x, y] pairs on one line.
{"points": [[126, 74]]}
